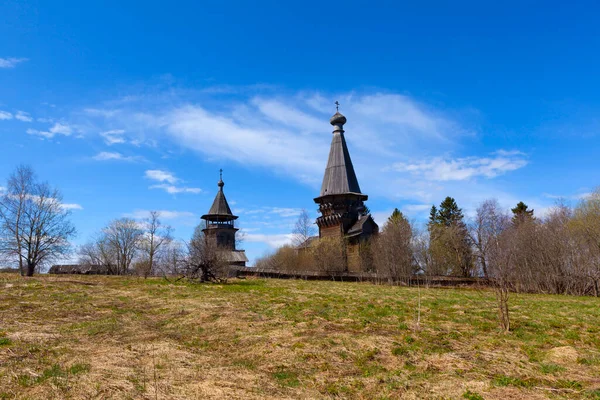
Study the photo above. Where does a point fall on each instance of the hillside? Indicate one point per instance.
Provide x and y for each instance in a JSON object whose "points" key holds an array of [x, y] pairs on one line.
{"points": [[114, 337]]}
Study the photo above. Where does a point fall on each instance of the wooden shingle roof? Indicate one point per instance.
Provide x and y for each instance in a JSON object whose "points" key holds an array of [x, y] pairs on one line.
{"points": [[220, 208], [339, 177]]}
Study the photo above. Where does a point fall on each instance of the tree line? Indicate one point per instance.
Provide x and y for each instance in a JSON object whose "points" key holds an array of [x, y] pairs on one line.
{"points": [[36, 231], [517, 250]]}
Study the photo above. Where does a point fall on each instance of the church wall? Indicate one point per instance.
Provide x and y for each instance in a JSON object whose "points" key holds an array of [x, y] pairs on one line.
{"points": [[330, 231], [353, 257]]}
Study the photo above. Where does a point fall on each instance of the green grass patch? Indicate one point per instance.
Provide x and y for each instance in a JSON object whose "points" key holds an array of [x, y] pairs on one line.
{"points": [[286, 377], [551, 368], [472, 395]]}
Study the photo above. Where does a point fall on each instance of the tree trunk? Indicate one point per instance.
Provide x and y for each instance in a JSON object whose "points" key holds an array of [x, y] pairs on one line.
{"points": [[30, 269], [484, 267], [503, 315]]}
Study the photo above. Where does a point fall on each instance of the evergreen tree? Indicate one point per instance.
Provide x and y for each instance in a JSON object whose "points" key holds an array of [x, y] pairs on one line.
{"points": [[522, 213], [449, 245], [397, 217], [449, 213], [433, 215]]}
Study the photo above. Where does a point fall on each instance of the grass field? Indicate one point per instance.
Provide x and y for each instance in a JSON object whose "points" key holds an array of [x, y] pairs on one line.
{"points": [[113, 337]]}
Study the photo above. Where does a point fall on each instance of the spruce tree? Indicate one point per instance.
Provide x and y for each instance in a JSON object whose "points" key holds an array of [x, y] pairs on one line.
{"points": [[433, 215], [449, 244], [397, 217], [449, 213], [521, 213]]}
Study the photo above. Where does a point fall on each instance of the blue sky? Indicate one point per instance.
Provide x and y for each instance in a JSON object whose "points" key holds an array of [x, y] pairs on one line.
{"points": [[134, 106]]}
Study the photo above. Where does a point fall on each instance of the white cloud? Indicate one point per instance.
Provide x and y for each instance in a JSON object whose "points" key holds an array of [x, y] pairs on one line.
{"points": [[172, 189], [291, 136], [56, 129], [108, 156], [23, 116], [439, 169], [163, 214], [71, 206], [286, 212], [283, 212], [252, 142], [11, 62], [273, 240], [98, 112], [5, 115], [161, 176], [578, 196], [113, 136], [61, 129], [170, 179]]}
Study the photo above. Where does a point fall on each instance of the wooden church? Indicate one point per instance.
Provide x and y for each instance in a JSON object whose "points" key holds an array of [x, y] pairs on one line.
{"points": [[341, 202]]}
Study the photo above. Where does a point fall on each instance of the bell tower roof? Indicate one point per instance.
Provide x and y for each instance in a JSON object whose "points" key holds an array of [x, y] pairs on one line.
{"points": [[220, 211]]}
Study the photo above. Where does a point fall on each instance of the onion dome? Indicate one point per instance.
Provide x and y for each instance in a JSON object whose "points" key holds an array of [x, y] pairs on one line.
{"points": [[337, 119]]}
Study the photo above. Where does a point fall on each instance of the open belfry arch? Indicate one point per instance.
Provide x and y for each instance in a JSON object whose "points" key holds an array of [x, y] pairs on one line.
{"points": [[220, 227], [344, 215]]}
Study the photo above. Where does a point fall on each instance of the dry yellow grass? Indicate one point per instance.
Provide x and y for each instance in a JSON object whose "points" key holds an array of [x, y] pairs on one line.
{"points": [[129, 338]]}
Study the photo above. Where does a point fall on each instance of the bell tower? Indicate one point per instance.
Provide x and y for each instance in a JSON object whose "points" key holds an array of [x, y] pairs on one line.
{"points": [[219, 221]]}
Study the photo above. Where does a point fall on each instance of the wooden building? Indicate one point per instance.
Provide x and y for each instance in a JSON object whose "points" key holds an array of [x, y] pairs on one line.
{"points": [[220, 228], [341, 202]]}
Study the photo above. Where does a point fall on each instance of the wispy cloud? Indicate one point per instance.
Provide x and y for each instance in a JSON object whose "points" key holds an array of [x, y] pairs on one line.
{"points": [[170, 181], [286, 212], [71, 206], [114, 136], [278, 211], [440, 169], [289, 134], [172, 189], [11, 62], [273, 240], [163, 214], [578, 196], [23, 116], [114, 156], [56, 129], [161, 176], [5, 115]]}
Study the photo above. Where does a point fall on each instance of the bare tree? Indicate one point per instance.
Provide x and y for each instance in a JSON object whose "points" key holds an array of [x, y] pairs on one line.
{"points": [[205, 262], [98, 253], [501, 256], [303, 229], [155, 239], [421, 252], [586, 228], [329, 255], [172, 259], [35, 227], [123, 237], [490, 221]]}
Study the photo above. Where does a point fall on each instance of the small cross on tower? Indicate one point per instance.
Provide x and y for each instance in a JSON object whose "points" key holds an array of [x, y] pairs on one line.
{"points": [[337, 106], [221, 174]]}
